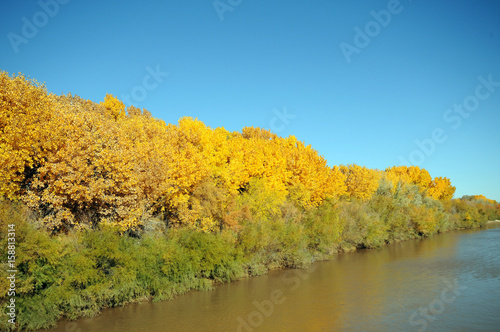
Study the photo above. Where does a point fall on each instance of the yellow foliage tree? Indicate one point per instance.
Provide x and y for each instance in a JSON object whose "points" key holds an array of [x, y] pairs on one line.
{"points": [[78, 163], [441, 188], [361, 182], [484, 199], [24, 115], [409, 175], [114, 106]]}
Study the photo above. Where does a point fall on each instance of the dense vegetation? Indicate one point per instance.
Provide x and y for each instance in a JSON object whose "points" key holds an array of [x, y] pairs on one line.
{"points": [[111, 205]]}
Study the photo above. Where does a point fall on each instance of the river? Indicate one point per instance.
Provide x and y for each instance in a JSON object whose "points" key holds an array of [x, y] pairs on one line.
{"points": [[450, 282]]}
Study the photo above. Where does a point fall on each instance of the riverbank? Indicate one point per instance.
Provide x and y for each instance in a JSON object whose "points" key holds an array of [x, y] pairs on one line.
{"points": [[398, 280], [79, 274], [103, 205]]}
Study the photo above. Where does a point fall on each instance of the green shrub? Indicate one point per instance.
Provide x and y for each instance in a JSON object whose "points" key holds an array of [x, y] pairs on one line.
{"points": [[323, 230], [362, 226]]}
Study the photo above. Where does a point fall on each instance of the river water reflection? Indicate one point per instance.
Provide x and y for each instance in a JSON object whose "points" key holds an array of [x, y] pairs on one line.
{"points": [[450, 282]]}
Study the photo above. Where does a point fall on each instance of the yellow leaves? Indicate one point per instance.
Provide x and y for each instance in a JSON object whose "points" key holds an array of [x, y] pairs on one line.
{"points": [[133, 111], [208, 224], [336, 181], [441, 188], [361, 182], [409, 175], [437, 188], [484, 199], [403, 175], [263, 201], [79, 163], [423, 220], [114, 106], [24, 113], [257, 133]]}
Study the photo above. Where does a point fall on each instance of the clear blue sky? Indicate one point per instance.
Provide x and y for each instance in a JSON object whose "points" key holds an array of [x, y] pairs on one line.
{"points": [[254, 59]]}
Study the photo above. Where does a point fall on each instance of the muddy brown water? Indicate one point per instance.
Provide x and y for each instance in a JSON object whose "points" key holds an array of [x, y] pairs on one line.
{"points": [[450, 282]]}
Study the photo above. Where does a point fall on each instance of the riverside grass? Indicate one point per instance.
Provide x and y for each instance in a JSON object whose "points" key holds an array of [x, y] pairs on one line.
{"points": [[68, 276]]}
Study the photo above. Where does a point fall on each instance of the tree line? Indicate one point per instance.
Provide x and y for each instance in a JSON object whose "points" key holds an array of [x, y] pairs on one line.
{"points": [[112, 205], [79, 163]]}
